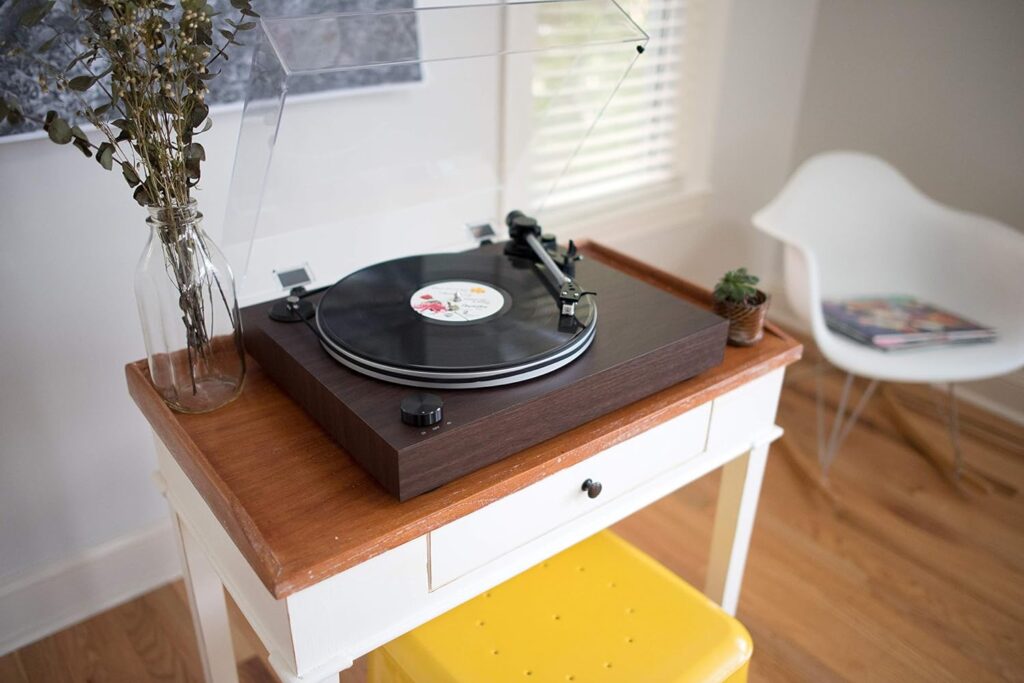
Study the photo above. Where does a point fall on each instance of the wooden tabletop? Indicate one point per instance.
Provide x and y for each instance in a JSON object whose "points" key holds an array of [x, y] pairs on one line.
{"points": [[301, 510]]}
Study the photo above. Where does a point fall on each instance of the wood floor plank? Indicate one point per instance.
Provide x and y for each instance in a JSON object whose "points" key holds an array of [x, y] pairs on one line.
{"points": [[995, 450], [11, 670], [246, 643], [165, 648], [981, 631], [254, 670], [829, 600], [870, 451], [167, 609], [779, 657], [96, 651]]}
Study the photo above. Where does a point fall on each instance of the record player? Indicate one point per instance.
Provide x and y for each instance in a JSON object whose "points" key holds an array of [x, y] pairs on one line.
{"points": [[424, 358], [429, 367]]}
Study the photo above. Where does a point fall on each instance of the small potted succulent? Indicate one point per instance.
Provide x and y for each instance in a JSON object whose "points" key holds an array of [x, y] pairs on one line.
{"points": [[738, 299]]}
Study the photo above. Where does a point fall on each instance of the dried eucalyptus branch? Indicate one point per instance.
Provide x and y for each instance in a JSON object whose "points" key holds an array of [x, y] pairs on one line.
{"points": [[151, 60]]}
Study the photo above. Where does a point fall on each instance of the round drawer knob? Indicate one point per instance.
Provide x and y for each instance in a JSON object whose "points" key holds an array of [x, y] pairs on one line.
{"points": [[593, 488]]}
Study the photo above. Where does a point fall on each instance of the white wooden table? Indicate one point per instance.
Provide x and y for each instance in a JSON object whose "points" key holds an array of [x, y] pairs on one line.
{"points": [[326, 567]]}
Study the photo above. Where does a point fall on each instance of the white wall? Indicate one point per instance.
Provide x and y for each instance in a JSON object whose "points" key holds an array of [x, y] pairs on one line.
{"points": [[76, 457], [936, 87]]}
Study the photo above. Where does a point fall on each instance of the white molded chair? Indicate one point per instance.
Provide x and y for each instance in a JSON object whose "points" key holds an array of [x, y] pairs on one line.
{"points": [[854, 226]]}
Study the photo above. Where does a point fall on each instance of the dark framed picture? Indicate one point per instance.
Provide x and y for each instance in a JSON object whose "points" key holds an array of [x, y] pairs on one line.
{"points": [[19, 70]]}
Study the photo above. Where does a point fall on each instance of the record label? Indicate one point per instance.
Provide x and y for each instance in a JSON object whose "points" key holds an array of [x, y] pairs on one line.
{"points": [[457, 301]]}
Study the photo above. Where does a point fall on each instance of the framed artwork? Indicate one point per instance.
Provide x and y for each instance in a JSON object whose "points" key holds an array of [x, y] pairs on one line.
{"points": [[19, 72]]}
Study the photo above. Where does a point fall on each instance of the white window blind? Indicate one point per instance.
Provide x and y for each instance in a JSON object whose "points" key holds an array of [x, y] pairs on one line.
{"points": [[638, 143]]}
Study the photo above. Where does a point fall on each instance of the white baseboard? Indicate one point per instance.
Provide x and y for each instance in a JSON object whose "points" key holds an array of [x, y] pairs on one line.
{"points": [[36, 604], [1003, 396]]}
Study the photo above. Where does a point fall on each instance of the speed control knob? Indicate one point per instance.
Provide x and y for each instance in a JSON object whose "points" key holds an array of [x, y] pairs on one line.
{"points": [[422, 410]]}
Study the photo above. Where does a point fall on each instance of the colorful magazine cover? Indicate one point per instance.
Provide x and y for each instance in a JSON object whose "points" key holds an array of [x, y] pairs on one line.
{"points": [[897, 322]]}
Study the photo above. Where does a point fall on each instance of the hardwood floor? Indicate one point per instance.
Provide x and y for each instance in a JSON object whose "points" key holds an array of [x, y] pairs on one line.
{"points": [[887, 573]]}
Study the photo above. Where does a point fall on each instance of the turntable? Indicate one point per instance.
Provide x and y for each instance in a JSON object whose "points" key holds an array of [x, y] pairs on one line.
{"points": [[426, 368], [356, 175]]}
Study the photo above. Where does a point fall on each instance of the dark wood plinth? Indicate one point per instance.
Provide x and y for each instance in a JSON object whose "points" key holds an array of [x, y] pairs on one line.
{"points": [[300, 509], [646, 340]]}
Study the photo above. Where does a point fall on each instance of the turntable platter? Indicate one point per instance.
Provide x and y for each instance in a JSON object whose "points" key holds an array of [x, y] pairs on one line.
{"points": [[464, 320]]}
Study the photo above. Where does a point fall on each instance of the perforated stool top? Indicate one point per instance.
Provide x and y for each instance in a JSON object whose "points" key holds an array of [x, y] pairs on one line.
{"points": [[600, 611]]}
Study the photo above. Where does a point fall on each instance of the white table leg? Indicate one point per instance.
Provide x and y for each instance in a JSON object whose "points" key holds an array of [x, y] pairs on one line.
{"points": [[734, 522], [209, 610], [287, 677]]}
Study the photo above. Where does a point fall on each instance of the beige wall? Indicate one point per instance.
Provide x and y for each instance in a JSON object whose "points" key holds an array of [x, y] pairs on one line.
{"points": [[936, 87]]}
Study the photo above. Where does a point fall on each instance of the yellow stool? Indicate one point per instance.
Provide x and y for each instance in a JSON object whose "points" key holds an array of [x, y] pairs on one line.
{"points": [[601, 611]]}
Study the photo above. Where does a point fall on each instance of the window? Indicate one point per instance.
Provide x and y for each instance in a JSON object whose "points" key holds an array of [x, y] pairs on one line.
{"points": [[638, 144]]}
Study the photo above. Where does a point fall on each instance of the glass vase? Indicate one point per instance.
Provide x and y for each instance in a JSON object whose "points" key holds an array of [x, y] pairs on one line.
{"points": [[189, 312]]}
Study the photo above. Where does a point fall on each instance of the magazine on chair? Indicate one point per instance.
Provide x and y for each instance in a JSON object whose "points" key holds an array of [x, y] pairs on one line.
{"points": [[901, 322]]}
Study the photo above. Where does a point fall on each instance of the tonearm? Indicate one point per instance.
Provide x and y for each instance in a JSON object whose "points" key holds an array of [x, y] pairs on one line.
{"points": [[528, 241]]}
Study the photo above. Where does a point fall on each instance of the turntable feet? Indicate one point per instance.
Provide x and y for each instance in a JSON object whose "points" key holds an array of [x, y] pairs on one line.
{"points": [[422, 409]]}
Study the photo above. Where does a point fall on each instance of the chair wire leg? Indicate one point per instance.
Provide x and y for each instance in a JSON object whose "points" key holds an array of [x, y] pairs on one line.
{"points": [[954, 432], [828, 455], [819, 404], [842, 423], [858, 409], [949, 410]]}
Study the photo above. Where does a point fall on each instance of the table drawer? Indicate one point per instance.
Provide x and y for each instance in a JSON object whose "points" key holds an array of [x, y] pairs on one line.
{"points": [[475, 540], [746, 412]]}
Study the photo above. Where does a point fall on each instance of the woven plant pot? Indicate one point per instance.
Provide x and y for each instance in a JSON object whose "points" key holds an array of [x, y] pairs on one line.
{"points": [[746, 321]]}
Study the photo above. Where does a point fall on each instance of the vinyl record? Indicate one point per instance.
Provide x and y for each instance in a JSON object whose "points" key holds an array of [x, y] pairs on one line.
{"points": [[462, 320]]}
